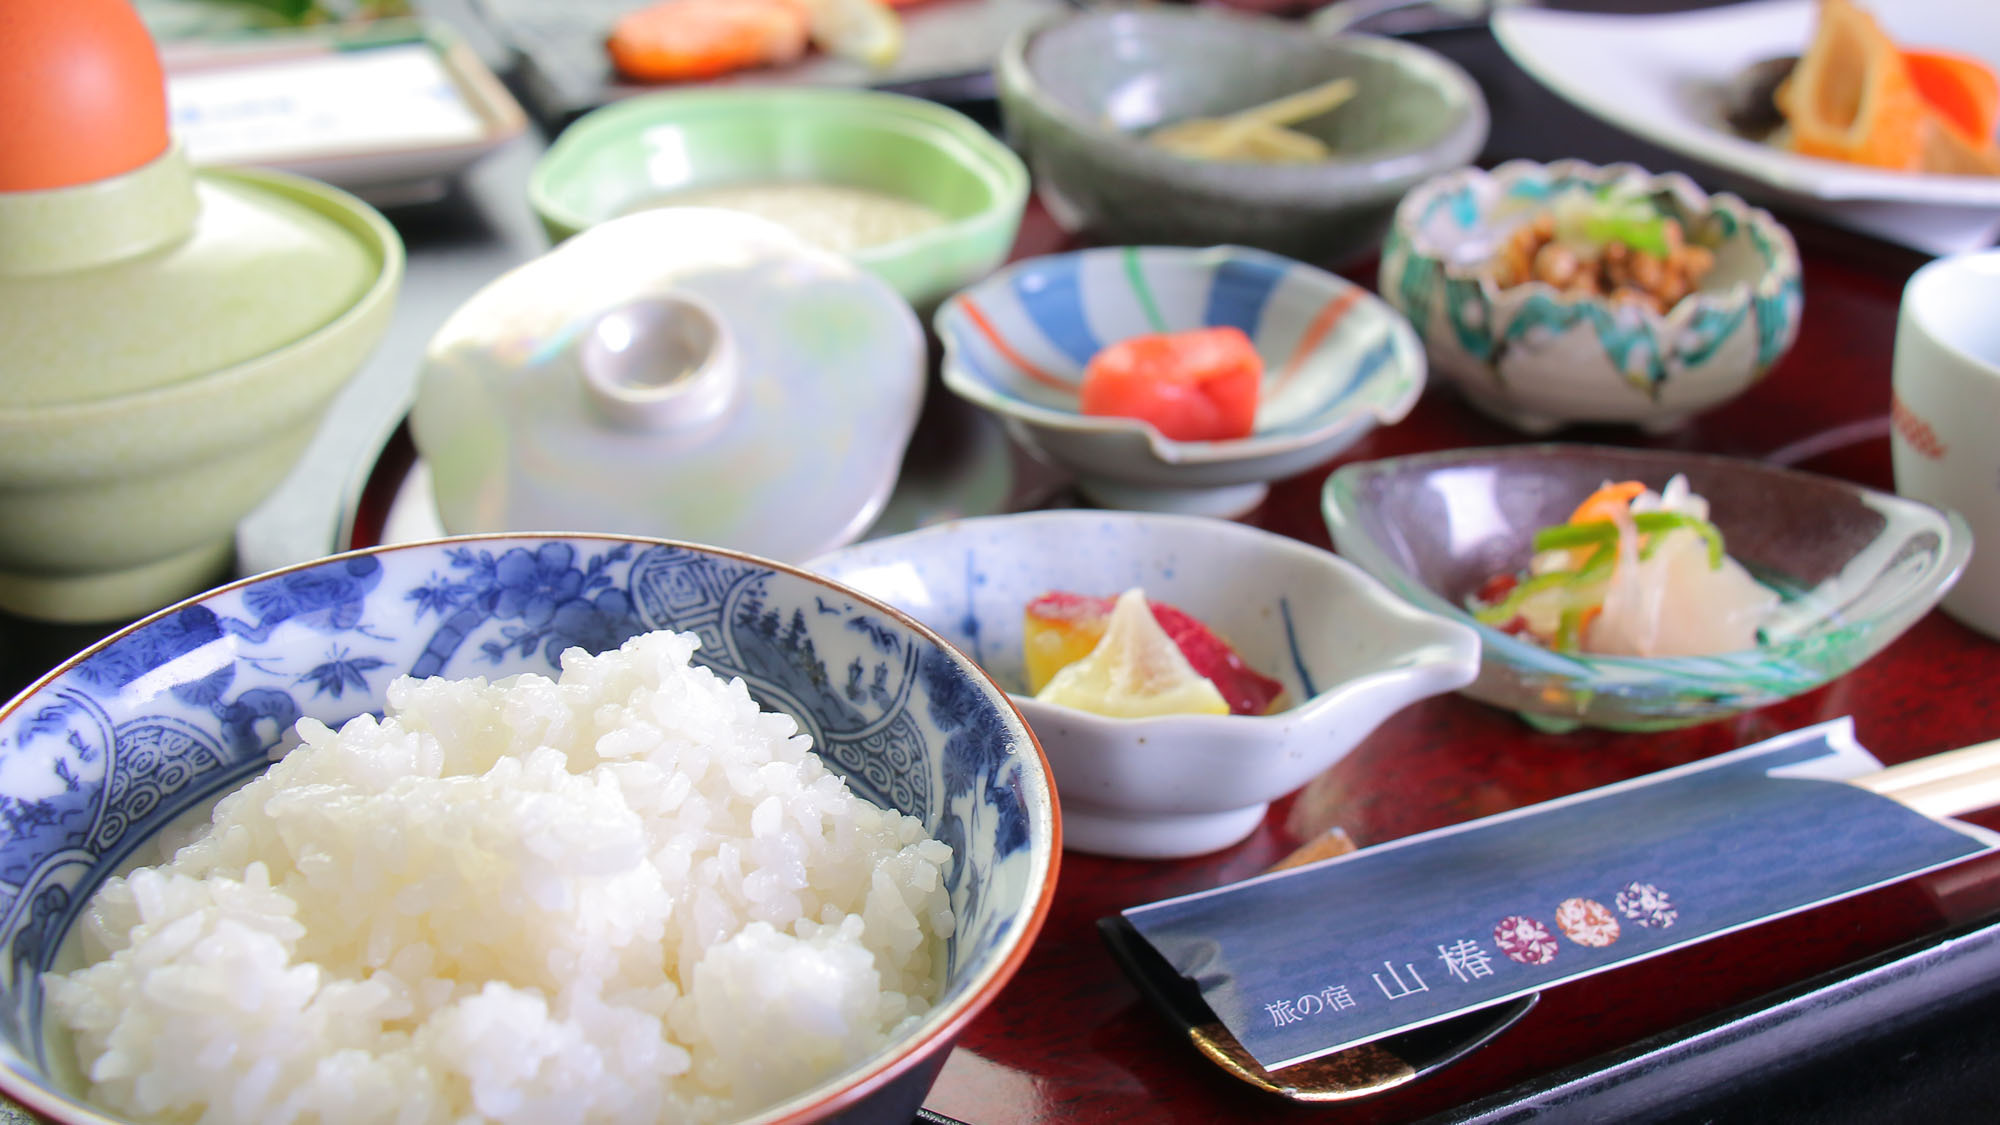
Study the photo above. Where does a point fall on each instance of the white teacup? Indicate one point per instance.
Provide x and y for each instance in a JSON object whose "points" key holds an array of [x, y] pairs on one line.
{"points": [[1946, 414]]}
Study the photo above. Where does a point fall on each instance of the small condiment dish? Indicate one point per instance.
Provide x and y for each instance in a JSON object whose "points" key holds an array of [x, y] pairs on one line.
{"points": [[150, 725], [1079, 95], [1855, 567], [1348, 651], [1538, 358], [1337, 363], [639, 151]]}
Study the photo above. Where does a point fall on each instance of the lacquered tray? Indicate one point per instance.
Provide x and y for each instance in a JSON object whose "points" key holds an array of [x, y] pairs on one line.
{"points": [[1877, 1008], [1071, 1040]]}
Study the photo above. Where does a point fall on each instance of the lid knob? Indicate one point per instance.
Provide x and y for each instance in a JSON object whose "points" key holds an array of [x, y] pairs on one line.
{"points": [[659, 362]]}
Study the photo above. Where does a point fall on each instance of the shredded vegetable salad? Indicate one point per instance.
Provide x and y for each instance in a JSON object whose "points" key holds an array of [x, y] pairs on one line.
{"points": [[1632, 572]]}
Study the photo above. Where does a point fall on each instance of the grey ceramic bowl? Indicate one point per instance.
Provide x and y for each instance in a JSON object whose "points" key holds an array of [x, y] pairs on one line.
{"points": [[1078, 95]]}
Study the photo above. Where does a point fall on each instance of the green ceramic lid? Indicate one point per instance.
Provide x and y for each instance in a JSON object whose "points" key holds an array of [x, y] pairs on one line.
{"points": [[160, 276]]}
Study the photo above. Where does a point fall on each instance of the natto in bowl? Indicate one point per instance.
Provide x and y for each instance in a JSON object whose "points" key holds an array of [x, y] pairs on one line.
{"points": [[1538, 358]]}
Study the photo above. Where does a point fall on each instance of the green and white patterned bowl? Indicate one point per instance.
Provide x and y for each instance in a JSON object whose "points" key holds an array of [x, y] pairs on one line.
{"points": [[1539, 359], [1855, 567]]}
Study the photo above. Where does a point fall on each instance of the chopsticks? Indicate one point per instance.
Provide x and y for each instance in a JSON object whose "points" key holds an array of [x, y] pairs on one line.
{"points": [[1947, 784]]}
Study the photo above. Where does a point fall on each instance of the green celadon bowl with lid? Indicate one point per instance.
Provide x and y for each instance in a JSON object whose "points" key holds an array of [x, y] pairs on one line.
{"points": [[171, 339]]}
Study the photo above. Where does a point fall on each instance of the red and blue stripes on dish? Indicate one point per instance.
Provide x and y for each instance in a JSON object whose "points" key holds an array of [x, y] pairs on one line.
{"points": [[1316, 332], [1030, 333], [1238, 291], [1050, 291], [984, 327]]}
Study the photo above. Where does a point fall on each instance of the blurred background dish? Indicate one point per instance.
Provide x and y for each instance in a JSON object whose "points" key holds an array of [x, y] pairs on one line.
{"points": [[1539, 355], [1348, 652], [1667, 78], [883, 149], [946, 53], [163, 716], [681, 372], [1854, 568], [1337, 362], [391, 110], [1078, 94]]}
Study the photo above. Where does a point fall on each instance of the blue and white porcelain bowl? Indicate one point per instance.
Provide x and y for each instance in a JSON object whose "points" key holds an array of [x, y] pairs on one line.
{"points": [[1348, 651], [164, 716], [1539, 359], [1337, 363]]}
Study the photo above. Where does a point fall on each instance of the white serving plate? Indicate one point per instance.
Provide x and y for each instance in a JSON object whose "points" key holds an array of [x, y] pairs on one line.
{"points": [[391, 114], [1661, 78]]}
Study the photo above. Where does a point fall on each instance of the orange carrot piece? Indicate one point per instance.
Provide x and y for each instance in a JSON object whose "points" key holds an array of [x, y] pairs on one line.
{"points": [[1963, 90], [1584, 617], [1607, 502], [683, 40]]}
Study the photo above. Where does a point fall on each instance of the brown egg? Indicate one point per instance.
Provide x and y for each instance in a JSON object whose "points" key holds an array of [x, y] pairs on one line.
{"points": [[84, 93]]}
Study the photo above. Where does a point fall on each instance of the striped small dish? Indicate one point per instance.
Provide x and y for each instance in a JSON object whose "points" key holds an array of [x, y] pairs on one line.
{"points": [[1337, 363]]}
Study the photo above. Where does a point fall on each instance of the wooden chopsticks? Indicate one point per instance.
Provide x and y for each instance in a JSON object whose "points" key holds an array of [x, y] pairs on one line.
{"points": [[1947, 784]]}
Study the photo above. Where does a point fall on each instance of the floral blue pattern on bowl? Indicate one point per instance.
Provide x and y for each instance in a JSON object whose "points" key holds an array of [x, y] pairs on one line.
{"points": [[1539, 358], [1855, 568], [1338, 362], [189, 703]]}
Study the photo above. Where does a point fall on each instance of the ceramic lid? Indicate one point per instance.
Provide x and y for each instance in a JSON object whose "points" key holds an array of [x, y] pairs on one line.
{"points": [[121, 270], [688, 373], [250, 271]]}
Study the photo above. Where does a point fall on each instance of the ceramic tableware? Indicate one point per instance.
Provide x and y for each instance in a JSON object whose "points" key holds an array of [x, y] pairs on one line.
{"points": [[1666, 77], [1947, 395], [682, 372], [1078, 94], [171, 337], [637, 151], [163, 716], [1538, 358], [1337, 363], [1348, 651], [125, 499], [1855, 568]]}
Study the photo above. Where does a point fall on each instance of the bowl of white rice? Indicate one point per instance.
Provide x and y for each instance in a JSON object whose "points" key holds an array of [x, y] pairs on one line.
{"points": [[511, 829]]}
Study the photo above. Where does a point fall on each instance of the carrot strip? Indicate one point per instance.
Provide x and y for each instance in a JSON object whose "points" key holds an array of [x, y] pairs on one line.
{"points": [[1963, 90], [1607, 502]]}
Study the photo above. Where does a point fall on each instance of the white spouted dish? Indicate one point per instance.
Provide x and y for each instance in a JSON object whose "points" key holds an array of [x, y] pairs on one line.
{"points": [[625, 895]]}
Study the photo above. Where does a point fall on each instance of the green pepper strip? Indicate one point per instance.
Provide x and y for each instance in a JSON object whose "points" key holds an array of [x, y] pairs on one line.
{"points": [[1568, 631], [1503, 611], [1599, 532]]}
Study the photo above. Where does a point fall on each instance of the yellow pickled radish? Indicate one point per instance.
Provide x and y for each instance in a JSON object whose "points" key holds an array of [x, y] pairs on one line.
{"points": [[866, 31], [1136, 671]]}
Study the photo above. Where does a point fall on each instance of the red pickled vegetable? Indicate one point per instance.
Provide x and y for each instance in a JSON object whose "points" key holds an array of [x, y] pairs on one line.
{"points": [[1199, 385]]}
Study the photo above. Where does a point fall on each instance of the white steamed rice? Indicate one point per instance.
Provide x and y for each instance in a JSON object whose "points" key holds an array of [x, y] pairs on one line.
{"points": [[625, 895]]}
